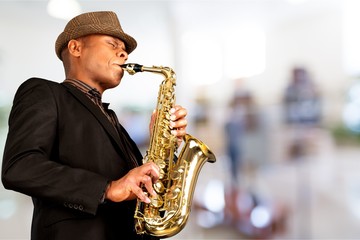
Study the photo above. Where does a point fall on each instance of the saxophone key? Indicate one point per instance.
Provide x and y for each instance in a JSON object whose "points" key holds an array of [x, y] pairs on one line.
{"points": [[159, 187], [156, 201], [173, 193], [176, 173]]}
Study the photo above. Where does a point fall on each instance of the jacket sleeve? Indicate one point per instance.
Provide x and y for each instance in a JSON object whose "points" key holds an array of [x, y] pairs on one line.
{"points": [[30, 163]]}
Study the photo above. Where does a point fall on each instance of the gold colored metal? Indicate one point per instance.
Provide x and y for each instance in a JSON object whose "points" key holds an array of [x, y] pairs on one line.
{"points": [[167, 214]]}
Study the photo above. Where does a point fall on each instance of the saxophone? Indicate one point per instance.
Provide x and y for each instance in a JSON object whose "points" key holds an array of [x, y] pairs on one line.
{"points": [[168, 212]]}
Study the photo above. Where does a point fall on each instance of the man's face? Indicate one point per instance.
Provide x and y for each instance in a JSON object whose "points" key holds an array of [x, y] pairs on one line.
{"points": [[100, 60]]}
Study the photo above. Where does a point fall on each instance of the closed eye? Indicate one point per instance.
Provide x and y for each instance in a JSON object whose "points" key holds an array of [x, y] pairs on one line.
{"points": [[116, 44], [113, 45]]}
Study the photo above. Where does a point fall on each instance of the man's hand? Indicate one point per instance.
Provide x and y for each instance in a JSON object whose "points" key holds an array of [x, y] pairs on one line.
{"points": [[129, 186], [178, 121]]}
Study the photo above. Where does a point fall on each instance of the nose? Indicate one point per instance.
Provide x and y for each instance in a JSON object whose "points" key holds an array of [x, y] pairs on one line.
{"points": [[122, 54]]}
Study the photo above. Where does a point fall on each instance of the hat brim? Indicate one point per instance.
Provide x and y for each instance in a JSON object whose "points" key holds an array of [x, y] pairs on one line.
{"points": [[82, 31]]}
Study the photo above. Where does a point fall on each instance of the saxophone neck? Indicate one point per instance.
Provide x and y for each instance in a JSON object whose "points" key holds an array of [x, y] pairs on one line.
{"points": [[133, 68]]}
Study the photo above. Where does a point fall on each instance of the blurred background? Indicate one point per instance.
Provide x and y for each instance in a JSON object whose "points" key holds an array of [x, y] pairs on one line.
{"points": [[271, 86]]}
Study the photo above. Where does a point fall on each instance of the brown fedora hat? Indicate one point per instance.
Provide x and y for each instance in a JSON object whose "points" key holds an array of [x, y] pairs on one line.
{"points": [[102, 22]]}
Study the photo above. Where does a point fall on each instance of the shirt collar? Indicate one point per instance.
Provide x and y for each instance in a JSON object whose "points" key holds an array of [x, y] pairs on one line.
{"points": [[91, 92]]}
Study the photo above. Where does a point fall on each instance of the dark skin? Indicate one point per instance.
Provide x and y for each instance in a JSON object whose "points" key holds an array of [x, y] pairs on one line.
{"points": [[96, 60]]}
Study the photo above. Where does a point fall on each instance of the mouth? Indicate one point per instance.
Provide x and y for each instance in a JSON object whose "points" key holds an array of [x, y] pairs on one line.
{"points": [[118, 66]]}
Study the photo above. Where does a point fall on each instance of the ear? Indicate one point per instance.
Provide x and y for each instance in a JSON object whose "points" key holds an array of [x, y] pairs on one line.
{"points": [[75, 47]]}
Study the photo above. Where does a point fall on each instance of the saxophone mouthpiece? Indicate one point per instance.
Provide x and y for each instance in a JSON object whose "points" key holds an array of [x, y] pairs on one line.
{"points": [[132, 68]]}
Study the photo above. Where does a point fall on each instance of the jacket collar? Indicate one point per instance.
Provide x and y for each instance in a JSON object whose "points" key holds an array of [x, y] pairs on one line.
{"points": [[95, 110]]}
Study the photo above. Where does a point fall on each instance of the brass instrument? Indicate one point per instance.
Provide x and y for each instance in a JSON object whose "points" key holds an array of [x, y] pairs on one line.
{"points": [[168, 212]]}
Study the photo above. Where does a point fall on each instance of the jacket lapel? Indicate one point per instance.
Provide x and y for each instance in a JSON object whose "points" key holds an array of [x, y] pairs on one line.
{"points": [[98, 114]]}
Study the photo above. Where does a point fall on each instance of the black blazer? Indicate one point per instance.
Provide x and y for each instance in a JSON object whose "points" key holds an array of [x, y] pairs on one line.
{"points": [[62, 150]]}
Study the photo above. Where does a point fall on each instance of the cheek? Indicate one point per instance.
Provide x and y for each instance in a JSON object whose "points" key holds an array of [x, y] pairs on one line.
{"points": [[98, 58], [93, 62]]}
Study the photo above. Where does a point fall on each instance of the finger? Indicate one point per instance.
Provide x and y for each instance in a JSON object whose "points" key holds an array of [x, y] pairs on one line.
{"points": [[177, 107], [177, 112], [179, 124], [140, 194], [179, 133], [148, 183], [151, 169]]}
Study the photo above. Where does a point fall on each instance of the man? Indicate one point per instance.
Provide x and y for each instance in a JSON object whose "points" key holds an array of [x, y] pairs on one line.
{"points": [[68, 151]]}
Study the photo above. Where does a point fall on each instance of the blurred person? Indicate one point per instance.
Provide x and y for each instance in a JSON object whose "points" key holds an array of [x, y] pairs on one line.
{"points": [[302, 109], [67, 150], [246, 149], [301, 99], [241, 121]]}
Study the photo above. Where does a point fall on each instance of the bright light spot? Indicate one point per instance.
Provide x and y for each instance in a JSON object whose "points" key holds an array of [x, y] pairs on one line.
{"points": [[244, 52], [202, 58], [210, 57], [63, 9], [7, 208], [208, 219], [214, 196], [260, 216]]}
